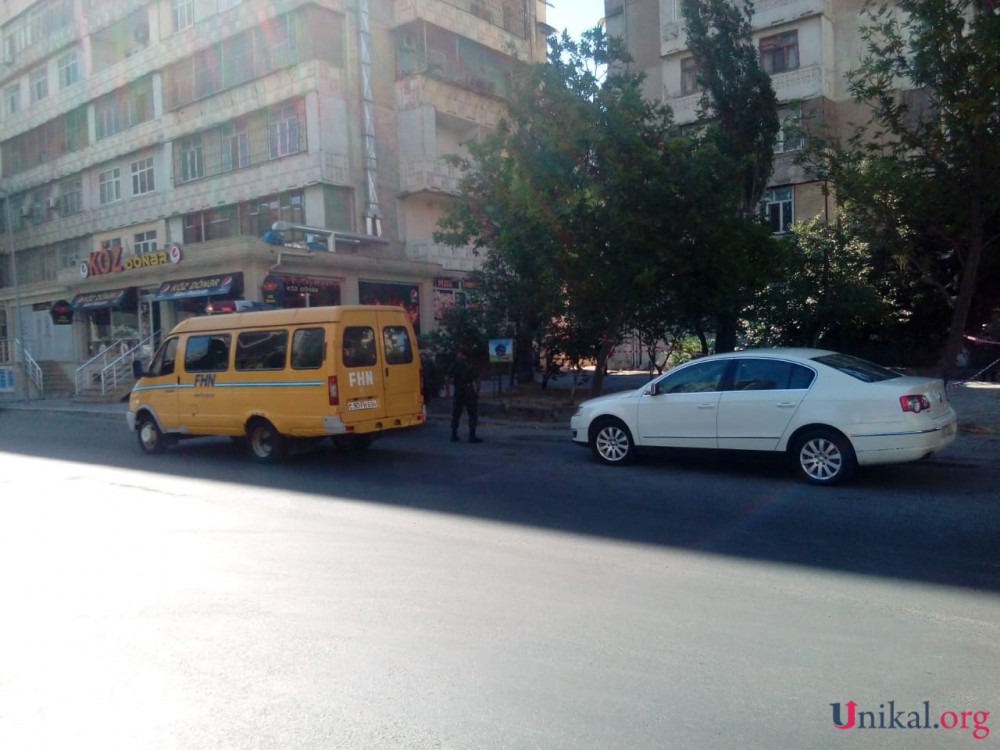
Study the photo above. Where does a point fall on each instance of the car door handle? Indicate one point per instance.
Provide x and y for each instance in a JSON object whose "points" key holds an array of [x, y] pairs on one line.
{"points": [[706, 406], [785, 404]]}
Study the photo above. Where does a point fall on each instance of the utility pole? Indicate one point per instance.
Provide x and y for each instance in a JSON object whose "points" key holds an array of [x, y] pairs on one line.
{"points": [[18, 322]]}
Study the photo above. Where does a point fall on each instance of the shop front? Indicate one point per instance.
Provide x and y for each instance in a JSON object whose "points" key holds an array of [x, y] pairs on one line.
{"points": [[190, 297], [286, 290], [109, 317], [406, 295]]}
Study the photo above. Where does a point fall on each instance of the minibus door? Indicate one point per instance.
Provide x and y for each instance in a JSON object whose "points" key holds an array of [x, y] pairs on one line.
{"points": [[360, 379], [401, 365], [204, 398], [159, 385]]}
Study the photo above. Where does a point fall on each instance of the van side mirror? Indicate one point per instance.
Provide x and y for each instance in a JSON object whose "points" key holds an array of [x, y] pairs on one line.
{"points": [[137, 368]]}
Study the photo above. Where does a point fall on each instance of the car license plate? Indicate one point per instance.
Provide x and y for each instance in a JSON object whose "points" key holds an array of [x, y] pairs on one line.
{"points": [[358, 405]]}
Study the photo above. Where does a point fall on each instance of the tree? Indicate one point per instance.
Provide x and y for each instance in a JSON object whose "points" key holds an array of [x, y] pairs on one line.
{"points": [[924, 168], [739, 117], [830, 290], [584, 197]]}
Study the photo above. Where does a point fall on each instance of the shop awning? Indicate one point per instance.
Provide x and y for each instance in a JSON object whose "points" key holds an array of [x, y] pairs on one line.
{"points": [[206, 286], [112, 298]]}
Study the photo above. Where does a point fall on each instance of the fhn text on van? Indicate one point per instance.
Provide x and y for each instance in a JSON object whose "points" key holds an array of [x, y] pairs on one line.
{"points": [[850, 716], [204, 381]]}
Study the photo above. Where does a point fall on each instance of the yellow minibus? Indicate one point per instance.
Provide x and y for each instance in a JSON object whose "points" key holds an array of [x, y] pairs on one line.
{"points": [[275, 377]]}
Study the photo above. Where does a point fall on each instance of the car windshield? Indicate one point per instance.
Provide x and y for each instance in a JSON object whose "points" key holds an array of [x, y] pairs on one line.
{"points": [[868, 372]]}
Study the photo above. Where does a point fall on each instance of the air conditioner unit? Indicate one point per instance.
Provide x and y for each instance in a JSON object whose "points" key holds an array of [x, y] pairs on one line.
{"points": [[141, 34]]}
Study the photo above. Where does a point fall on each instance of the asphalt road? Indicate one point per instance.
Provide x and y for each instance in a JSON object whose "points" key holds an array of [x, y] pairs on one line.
{"points": [[513, 594]]}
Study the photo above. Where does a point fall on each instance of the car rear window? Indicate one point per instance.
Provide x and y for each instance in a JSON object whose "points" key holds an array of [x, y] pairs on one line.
{"points": [[867, 372]]}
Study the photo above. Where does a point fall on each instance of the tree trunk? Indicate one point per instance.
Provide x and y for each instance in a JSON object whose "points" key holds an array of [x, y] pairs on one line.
{"points": [[969, 272], [604, 352], [966, 289], [725, 333]]}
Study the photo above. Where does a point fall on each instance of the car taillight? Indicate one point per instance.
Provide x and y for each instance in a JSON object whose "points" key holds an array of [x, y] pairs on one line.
{"points": [[916, 404], [332, 388]]}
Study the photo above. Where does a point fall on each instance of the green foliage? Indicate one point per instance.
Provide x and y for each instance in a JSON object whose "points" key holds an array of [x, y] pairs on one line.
{"points": [[920, 174], [739, 109], [829, 291]]}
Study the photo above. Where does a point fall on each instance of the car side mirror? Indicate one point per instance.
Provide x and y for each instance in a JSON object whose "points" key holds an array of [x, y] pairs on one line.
{"points": [[653, 390], [137, 368]]}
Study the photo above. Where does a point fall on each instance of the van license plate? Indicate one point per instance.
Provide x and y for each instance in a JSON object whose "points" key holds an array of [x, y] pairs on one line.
{"points": [[358, 405]]}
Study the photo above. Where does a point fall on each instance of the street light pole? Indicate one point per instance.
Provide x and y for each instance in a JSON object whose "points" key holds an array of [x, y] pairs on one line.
{"points": [[18, 322]]}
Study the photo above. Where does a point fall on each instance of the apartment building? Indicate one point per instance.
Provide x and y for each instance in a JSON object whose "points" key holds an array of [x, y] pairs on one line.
{"points": [[160, 155], [806, 45]]}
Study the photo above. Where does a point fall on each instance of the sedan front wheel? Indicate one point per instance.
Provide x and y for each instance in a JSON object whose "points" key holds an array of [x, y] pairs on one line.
{"points": [[611, 442]]}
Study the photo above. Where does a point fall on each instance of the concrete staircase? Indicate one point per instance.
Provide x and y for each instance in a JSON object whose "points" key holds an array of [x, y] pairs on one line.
{"points": [[58, 383]]}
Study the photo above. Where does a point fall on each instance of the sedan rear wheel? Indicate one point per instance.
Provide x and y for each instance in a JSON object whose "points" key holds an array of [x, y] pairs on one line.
{"points": [[824, 457], [611, 442]]}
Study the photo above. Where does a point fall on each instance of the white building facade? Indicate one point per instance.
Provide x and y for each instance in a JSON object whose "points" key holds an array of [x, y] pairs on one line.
{"points": [[807, 46], [148, 148]]}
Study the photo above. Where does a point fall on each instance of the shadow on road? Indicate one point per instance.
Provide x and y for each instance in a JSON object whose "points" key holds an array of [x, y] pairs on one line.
{"points": [[936, 522]]}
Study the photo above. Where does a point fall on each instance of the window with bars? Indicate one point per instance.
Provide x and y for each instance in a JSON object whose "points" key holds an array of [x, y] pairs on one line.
{"points": [[780, 52], [778, 209], [71, 197], [689, 76], [69, 69], [252, 54], [283, 131], [235, 146], [790, 136], [181, 14], [144, 242], [109, 185], [12, 99], [142, 176], [125, 108], [192, 159], [38, 84], [253, 139]]}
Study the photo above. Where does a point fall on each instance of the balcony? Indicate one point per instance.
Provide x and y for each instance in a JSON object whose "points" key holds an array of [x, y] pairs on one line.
{"points": [[428, 176], [497, 24], [444, 96]]}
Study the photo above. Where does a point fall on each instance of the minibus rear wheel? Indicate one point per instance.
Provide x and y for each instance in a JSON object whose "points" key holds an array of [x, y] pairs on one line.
{"points": [[267, 445]]}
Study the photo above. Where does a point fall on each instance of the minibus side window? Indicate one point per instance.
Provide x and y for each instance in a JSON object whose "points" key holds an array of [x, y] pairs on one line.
{"points": [[261, 350], [207, 353], [307, 348], [163, 360], [359, 346], [398, 348]]}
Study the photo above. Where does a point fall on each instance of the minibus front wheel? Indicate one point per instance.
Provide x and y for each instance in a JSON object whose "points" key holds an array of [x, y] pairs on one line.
{"points": [[150, 438], [266, 444]]}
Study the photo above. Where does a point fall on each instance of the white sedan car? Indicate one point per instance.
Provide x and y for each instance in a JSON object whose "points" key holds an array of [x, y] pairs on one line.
{"points": [[828, 412]]}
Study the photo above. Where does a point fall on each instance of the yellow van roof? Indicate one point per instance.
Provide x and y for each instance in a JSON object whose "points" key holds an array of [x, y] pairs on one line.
{"points": [[291, 316]]}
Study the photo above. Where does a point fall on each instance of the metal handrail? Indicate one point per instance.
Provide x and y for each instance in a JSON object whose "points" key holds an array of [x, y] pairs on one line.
{"points": [[118, 369], [31, 367], [89, 369]]}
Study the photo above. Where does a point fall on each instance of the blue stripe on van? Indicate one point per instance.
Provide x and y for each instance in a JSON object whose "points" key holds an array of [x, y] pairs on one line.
{"points": [[272, 384], [264, 384]]}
